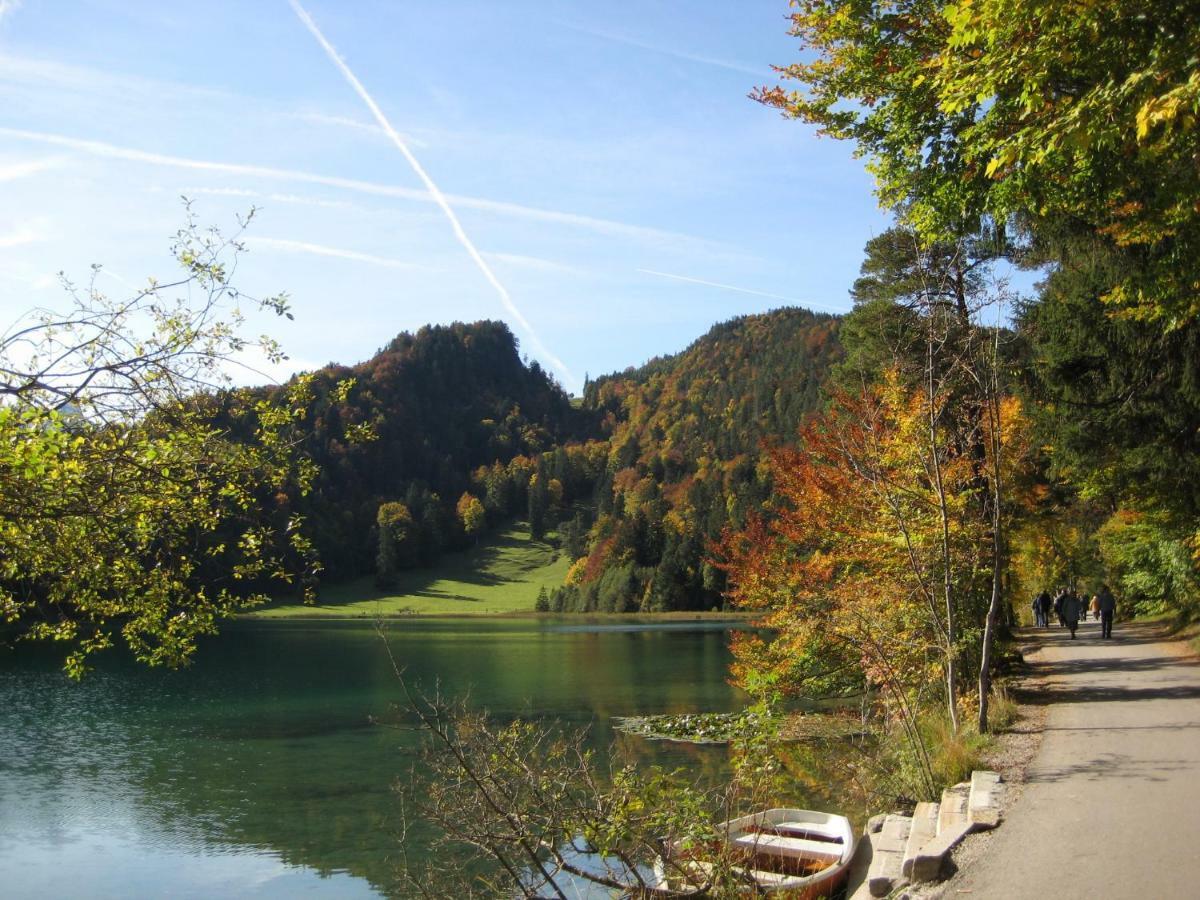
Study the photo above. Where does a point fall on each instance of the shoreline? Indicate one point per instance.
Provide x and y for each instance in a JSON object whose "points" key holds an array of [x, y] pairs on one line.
{"points": [[731, 616]]}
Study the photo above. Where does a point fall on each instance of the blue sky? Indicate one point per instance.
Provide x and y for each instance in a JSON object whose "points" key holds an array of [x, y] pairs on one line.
{"points": [[602, 158]]}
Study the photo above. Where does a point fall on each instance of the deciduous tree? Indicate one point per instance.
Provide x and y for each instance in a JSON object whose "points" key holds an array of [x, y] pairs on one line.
{"points": [[471, 514], [140, 499]]}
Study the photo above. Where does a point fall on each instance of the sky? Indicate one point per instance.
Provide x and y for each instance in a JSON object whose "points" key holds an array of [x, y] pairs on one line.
{"points": [[593, 174]]}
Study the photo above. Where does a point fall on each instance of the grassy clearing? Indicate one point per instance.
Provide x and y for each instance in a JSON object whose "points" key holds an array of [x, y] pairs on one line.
{"points": [[503, 574]]}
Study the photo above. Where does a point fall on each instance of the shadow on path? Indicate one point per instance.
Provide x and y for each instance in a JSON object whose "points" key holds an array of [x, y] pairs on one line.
{"points": [[1113, 664], [1109, 766], [1055, 693]]}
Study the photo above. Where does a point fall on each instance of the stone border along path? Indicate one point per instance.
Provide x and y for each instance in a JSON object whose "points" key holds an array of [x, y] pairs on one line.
{"points": [[1110, 805], [897, 850]]}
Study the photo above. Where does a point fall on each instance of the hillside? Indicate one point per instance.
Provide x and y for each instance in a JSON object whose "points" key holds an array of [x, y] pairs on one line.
{"points": [[684, 436], [441, 402], [637, 478]]}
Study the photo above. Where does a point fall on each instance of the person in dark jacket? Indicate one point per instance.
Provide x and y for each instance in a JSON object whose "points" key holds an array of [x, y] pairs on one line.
{"points": [[1070, 611], [1108, 608], [1043, 608]]}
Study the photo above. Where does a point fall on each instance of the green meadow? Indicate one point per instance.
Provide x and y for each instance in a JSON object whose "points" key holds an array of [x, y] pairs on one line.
{"points": [[501, 574]]}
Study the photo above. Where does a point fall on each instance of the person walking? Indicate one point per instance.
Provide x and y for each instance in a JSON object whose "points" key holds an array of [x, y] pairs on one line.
{"points": [[1070, 611], [1107, 605], [1044, 604], [1094, 607]]}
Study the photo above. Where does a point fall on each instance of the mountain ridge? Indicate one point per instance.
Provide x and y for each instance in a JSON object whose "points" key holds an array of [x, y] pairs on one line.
{"points": [[637, 476]]}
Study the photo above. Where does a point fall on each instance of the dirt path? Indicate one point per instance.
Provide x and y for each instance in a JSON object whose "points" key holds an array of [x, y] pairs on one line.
{"points": [[1111, 803]]}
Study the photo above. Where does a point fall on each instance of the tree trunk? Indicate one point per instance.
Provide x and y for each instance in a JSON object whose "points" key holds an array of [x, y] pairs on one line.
{"points": [[947, 559], [992, 399]]}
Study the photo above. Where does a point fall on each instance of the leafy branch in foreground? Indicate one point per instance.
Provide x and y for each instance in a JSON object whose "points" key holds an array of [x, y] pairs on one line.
{"points": [[140, 498], [114, 360], [526, 809]]}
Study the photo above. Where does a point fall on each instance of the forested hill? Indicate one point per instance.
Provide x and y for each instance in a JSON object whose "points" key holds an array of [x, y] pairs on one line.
{"points": [[634, 481], [684, 436], [442, 402], [748, 378]]}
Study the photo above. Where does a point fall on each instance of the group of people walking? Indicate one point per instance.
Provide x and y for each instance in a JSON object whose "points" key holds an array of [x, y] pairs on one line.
{"points": [[1070, 607]]}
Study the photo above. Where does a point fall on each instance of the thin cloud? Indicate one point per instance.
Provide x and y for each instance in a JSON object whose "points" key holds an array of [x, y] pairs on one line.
{"points": [[29, 71], [37, 282], [759, 71], [219, 192], [337, 252], [433, 189], [298, 199], [33, 72], [13, 171], [27, 233], [536, 263], [353, 125], [741, 290], [499, 207], [120, 279], [7, 8], [301, 200]]}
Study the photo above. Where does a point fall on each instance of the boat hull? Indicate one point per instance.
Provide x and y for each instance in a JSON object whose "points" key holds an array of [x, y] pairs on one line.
{"points": [[804, 853]]}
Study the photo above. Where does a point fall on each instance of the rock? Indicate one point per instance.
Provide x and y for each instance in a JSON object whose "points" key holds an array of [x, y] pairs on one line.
{"points": [[924, 829], [927, 864], [888, 855], [875, 824], [983, 806], [953, 810]]}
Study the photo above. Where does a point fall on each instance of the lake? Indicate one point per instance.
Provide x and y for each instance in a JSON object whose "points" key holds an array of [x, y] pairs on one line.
{"points": [[267, 768]]}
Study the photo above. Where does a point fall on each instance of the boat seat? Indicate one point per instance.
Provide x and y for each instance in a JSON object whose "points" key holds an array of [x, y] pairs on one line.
{"points": [[787, 846], [832, 832]]}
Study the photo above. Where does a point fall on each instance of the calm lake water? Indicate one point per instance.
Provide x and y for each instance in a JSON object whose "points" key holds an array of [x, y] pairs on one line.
{"points": [[266, 769]]}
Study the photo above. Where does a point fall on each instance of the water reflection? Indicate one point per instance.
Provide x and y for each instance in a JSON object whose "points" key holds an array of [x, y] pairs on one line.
{"points": [[266, 768]]}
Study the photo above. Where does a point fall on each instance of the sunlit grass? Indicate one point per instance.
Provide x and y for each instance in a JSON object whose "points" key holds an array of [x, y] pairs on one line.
{"points": [[503, 574]]}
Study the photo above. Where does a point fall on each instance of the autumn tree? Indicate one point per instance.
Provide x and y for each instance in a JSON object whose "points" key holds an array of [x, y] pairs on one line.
{"points": [[1083, 118], [1070, 120], [539, 502], [919, 306], [395, 524], [847, 609], [471, 514]]}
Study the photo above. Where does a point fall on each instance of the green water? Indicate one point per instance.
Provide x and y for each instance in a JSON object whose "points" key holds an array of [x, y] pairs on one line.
{"points": [[266, 769]]}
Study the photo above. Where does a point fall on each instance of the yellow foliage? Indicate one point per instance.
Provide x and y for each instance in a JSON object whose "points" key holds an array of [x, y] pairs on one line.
{"points": [[576, 572]]}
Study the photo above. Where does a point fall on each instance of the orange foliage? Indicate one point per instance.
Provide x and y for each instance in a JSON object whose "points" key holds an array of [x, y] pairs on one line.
{"points": [[848, 569]]}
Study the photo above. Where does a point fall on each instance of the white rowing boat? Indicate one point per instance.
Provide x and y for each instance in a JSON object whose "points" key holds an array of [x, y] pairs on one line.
{"points": [[804, 852]]}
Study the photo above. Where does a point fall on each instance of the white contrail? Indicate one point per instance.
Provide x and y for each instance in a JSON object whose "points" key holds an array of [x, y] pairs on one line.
{"points": [[324, 250], [498, 207], [433, 189], [758, 71], [742, 290], [13, 171]]}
